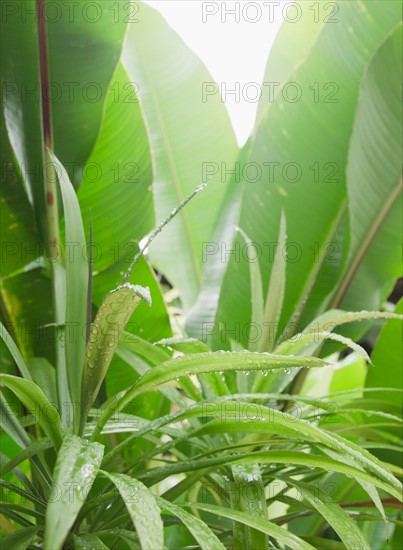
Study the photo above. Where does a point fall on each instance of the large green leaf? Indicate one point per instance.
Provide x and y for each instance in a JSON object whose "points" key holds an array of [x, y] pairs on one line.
{"points": [[84, 49], [20, 72], [387, 358], [201, 317], [76, 468], [19, 238], [21, 246], [294, 41], [313, 135], [116, 187], [170, 79], [83, 46], [374, 172], [32, 325], [21, 295], [143, 509]]}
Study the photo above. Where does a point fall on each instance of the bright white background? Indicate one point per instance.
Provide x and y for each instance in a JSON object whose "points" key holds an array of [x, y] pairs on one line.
{"points": [[232, 51]]}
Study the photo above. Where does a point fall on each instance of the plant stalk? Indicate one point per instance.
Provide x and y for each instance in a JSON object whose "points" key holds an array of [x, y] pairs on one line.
{"points": [[53, 250]]}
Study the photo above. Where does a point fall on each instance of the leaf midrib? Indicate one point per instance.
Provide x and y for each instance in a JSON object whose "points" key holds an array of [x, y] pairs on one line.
{"points": [[175, 177], [357, 257]]}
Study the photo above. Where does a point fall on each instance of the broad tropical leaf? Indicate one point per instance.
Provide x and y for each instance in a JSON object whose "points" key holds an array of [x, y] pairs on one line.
{"points": [[374, 172], [170, 79], [80, 71], [387, 358], [116, 185], [305, 173]]}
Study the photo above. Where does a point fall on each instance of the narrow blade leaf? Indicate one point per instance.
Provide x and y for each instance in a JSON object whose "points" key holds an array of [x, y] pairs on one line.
{"points": [[271, 529], [337, 518], [108, 326], [37, 403], [143, 509], [76, 468], [201, 532], [76, 286]]}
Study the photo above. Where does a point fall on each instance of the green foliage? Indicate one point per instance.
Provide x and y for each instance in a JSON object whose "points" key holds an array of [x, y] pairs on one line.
{"points": [[251, 427], [77, 465]]}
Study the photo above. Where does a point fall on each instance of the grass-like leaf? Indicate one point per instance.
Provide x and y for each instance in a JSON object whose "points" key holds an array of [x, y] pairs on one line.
{"points": [[143, 510], [15, 352], [267, 527], [200, 530], [341, 522], [76, 287], [76, 468], [205, 363], [108, 326], [37, 403]]}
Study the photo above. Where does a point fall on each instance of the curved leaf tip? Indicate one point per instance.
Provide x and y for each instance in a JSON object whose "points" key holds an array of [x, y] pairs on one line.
{"points": [[142, 292]]}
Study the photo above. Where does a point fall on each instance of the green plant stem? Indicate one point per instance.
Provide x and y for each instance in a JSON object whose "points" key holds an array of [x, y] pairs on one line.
{"points": [[52, 214], [52, 209]]}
